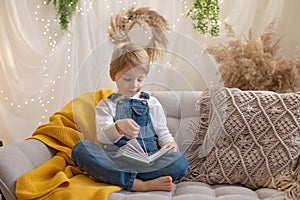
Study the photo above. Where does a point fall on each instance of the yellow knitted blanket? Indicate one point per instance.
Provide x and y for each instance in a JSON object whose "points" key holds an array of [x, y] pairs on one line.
{"points": [[58, 178]]}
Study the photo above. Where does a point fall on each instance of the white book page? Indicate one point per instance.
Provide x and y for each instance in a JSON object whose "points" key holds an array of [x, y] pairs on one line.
{"points": [[137, 157], [136, 145], [160, 153], [133, 149]]}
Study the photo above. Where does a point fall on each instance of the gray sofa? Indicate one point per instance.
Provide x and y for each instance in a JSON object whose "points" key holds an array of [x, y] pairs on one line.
{"points": [[20, 158]]}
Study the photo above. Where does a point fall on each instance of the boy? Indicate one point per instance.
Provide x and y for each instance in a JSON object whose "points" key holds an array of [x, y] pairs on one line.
{"points": [[127, 114]]}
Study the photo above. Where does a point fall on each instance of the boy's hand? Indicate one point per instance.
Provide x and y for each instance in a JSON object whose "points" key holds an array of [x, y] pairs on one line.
{"points": [[170, 144], [128, 127]]}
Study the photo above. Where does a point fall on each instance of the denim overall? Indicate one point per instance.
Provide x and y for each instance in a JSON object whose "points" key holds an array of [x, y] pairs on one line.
{"points": [[138, 110], [99, 164]]}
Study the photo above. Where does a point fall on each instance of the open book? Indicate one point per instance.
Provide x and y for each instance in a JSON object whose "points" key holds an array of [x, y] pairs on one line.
{"points": [[133, 151]]}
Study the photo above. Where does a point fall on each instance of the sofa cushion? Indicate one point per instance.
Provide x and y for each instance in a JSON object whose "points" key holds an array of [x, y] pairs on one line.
{"points": [[248, 137], [198, 190], [179, 110]]}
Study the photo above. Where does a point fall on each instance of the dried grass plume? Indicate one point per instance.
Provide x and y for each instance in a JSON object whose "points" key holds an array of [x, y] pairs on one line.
{"points": [[256, 63]]}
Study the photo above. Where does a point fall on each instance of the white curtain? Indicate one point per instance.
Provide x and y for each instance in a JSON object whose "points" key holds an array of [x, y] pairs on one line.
{"points": [[42, 69]]}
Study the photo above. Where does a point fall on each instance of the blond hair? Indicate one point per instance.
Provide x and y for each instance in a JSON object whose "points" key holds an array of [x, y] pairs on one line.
{"points": [[128, 54]]}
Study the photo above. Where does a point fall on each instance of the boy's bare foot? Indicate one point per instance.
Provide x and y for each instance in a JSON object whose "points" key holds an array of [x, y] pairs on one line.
{"points": [[163, 183]]}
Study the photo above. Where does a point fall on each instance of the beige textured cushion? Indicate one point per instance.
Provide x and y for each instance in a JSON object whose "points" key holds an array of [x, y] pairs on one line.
{"points": [[250, 138]]}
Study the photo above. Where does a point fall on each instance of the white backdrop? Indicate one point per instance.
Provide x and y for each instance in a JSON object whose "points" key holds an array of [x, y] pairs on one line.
{"points": [[41, 68]]}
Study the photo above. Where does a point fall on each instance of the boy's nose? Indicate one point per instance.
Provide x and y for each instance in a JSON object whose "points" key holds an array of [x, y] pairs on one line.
{"points": [[135, 83]]}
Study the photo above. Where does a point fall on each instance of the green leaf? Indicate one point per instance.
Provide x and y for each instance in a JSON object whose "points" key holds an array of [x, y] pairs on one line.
{"points": [[205, 16], [64, 11]]}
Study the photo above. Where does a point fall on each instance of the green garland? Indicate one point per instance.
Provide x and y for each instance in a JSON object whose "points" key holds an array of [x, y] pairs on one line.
{"points": [[64, 11], [205, 14]]}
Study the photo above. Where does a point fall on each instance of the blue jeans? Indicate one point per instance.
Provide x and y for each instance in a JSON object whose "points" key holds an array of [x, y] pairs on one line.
{"points": [[102, 166]]}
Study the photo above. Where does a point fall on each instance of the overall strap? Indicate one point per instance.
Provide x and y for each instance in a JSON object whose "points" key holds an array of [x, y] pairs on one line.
{"points": [[144, 95]]}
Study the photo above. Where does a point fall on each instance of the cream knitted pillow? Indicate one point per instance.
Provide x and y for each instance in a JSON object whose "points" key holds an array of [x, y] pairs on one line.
{"points": [[250, 138]]}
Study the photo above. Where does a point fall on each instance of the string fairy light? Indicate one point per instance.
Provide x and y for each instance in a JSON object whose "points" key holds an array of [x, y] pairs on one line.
{"points": [[53, 34], [44, 98]]}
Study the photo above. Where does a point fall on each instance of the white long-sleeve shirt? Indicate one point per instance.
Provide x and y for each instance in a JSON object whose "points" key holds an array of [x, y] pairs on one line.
{"points": [[106, 112]]}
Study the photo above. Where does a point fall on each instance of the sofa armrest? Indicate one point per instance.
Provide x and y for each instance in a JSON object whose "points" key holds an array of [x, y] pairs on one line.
{"points": [[18, 159]]}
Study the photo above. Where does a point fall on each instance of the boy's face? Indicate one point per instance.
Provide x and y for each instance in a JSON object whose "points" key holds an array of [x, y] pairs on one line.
{"points": [[130, 80]]}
